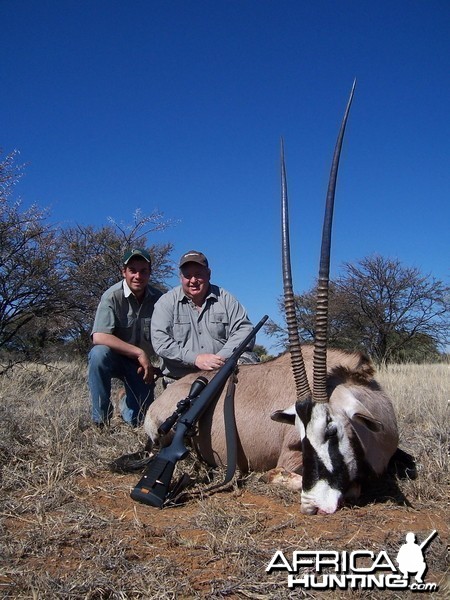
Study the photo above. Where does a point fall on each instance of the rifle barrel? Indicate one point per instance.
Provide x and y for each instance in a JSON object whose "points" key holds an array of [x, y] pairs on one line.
{"points": [[428, 540]]}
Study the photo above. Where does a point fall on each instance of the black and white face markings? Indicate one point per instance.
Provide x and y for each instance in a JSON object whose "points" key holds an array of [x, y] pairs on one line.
{"points": [[330, 463]]}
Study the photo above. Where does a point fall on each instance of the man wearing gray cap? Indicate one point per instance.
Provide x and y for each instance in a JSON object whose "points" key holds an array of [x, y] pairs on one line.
{"points": [[121, 343], [197, 325]]}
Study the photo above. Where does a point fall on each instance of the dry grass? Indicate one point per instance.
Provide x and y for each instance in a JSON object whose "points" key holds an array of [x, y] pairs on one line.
{"points": [[69, 529]]}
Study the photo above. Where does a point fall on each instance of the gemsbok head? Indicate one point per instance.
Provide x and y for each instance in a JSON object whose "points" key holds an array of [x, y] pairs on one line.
{"points": [[346, 431]]}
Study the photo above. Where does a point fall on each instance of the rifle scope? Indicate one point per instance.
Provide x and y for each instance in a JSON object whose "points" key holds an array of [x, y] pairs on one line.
{"points": [[196, 388]]}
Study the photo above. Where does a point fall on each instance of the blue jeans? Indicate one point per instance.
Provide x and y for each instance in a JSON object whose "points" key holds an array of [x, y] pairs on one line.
{"points": [[104, 364]]}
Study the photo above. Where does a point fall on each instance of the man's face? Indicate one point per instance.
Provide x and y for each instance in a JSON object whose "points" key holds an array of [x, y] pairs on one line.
{"points": [[195, 281], [137, 274]]}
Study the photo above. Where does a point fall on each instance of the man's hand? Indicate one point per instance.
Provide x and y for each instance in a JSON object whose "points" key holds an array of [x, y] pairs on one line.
{"points": [[209, 362], [146, 368]]}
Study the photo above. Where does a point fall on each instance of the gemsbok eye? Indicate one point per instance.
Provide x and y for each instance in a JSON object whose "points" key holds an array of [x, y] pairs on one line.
{"points": [[331, 430]]}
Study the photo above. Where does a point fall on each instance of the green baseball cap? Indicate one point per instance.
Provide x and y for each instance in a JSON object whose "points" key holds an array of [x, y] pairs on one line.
{"points": [[139, 252]]}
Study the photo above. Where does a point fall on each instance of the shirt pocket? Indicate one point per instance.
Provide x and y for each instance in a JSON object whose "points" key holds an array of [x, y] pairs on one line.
{"points": [[181, 329], [218, 326], [125, 333], [125, 325]]}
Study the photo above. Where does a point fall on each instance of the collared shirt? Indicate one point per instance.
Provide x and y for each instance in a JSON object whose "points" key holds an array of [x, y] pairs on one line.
{"points": [[180, 332], [120, 314]]}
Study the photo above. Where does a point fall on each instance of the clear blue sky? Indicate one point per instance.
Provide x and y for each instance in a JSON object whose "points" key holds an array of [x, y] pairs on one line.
{"points": [[179, 106]]}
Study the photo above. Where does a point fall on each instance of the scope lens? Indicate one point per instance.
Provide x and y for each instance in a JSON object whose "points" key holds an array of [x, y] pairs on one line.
{"points": [[197, 387]]}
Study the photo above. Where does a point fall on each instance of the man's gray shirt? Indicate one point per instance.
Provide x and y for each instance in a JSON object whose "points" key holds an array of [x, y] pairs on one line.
{"points": [[180, 332], [119, 313]]}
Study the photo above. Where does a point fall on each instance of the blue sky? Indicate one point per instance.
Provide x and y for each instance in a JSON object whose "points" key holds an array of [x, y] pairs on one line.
{"points": [[179, 106]]}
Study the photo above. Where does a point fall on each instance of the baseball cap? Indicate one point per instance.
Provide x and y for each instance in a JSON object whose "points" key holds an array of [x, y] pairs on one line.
{"points": [[194, 256], [136, 252]]}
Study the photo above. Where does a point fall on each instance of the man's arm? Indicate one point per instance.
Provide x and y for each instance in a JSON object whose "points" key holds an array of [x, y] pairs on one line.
{"points": [[239, 325], [145, 366]]}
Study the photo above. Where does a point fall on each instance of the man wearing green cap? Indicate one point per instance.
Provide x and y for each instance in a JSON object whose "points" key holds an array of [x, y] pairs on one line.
{"points": [[121, 343]]}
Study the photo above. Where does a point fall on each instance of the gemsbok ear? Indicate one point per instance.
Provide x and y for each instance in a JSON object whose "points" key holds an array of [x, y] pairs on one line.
{"points": [[369, 422], [285, 416], [360, 417]]}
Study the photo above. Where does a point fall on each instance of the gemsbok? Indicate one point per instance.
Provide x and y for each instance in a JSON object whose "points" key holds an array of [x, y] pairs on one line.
{"points": [[314, 418]]}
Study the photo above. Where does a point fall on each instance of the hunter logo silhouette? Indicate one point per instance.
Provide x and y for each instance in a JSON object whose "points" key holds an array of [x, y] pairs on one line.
{"points": [[410, 557]]}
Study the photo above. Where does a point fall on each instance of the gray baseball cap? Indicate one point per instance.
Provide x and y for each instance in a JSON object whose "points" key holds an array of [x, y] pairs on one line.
{"points": [[194, 256]]}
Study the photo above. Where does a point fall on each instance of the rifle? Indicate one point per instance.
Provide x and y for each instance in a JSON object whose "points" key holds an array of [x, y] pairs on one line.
{"points": [[425, 543], [153, 487]]}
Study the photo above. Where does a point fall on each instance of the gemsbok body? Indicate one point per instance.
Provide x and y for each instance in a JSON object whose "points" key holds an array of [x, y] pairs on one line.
{"points": [[313, 418]]}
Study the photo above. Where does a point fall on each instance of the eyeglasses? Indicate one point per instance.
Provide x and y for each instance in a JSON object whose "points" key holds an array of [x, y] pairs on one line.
{"points": [[195, 276]]}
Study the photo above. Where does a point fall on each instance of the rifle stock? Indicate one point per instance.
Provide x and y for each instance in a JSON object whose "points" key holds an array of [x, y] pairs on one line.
{"points": [[153, 487]]}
